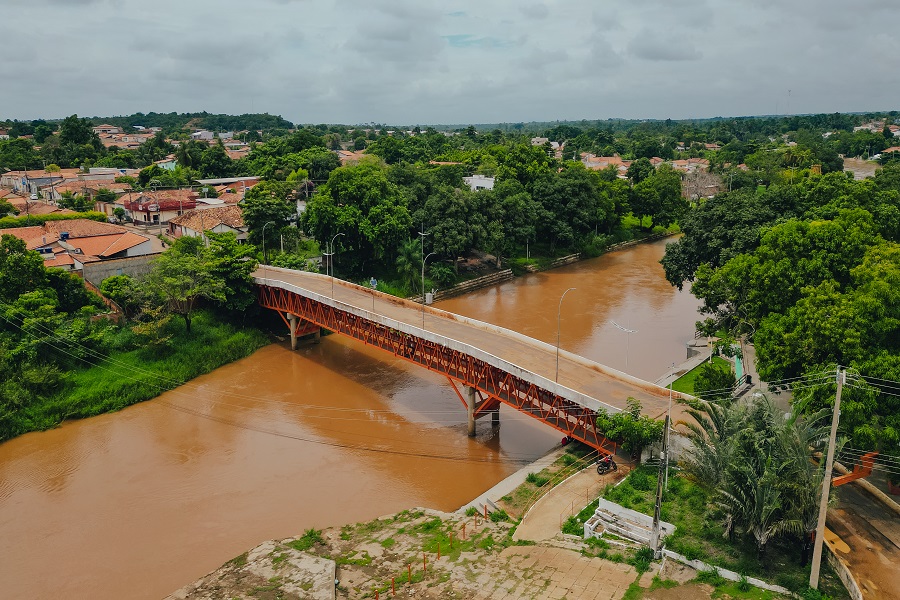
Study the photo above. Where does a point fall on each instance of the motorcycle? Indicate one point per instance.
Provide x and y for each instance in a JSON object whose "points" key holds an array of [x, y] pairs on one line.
{"points": [[606, 464]]}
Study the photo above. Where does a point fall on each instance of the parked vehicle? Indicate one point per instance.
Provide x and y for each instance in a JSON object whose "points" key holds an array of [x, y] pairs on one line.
{"points": [[606, 464]]}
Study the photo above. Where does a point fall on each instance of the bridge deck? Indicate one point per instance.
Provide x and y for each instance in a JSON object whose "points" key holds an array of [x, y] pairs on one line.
{"points": [[582, 381]]}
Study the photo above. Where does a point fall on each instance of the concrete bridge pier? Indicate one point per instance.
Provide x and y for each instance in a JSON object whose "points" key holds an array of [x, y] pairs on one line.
{"points": [[495, 417], [471, 410], [292, 319]]}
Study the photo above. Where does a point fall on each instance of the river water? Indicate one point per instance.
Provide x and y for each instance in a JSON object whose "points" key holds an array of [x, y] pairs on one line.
{"points": [[138, 503]]}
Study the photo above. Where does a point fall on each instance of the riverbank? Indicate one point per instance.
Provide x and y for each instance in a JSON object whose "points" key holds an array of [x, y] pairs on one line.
{"points": [[137, 371]]}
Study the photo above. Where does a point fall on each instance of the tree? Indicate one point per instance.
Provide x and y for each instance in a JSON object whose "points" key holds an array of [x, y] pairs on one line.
{"points": [[713, 382], [266, 202], [232, 264], [640, 170], [77, 132], [7, 209], [409, 262], [362, 203], [21, 270], [630, 428], [180, 277], [214, 162]]}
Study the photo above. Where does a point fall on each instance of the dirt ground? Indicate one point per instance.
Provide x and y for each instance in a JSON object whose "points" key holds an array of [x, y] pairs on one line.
{"points": [[860, 168], [482, 563]]}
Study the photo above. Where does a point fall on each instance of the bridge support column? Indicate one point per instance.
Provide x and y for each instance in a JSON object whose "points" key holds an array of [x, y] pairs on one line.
{"points": [[292, 320], [495, 417], [471, 410]]}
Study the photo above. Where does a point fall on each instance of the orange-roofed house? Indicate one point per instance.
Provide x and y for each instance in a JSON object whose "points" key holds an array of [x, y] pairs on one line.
{"points": [[221, 219]]}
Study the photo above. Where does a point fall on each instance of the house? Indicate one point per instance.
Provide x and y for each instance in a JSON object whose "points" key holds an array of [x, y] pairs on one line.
{"points": [[72, 244], [347, 156], [539, 141], [168, 163], [712, 146], [4, 134], [160, 206], [107, 129], [479, 182], [203, 135], [221, 219]]}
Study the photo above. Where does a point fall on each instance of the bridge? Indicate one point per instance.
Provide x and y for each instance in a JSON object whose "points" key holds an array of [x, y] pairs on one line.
{"points": [[491, 364]]}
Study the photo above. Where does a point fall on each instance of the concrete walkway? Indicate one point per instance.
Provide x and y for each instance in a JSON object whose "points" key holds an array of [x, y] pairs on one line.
{"points": [[544, 520], [512, 482]]}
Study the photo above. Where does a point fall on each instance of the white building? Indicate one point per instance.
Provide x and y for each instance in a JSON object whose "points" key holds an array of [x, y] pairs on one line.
{"points": [[479, 182]]}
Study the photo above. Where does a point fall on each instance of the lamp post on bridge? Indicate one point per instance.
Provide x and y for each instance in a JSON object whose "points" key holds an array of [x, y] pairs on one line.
{"points": [[331, 260], [265, 258], [424, 258], [628, 333], [558, 316]]}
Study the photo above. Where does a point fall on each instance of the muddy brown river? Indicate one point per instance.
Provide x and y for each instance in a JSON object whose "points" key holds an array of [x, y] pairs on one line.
{"points": [[138, 503]]}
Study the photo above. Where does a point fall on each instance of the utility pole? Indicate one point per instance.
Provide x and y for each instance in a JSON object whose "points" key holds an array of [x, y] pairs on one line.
{"points": [[654, 536], [826, 484], [668, 419]]}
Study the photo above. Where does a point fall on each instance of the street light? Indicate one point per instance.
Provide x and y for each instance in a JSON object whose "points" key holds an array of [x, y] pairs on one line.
{"points": [[558, 314], [265, 257], [628, 333], [331, 260], [423, 286]]}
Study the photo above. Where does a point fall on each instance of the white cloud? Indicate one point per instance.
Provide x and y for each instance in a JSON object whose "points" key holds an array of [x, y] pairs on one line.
{"points": [[408, 62]]}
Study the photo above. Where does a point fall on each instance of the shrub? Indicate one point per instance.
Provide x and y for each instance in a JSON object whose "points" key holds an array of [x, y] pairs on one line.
{"points": [[499, 516]]}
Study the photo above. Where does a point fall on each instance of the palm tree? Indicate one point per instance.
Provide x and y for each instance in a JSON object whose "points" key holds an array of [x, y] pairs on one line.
{"points": [[711, 434], [799, 477], [409, 260]]}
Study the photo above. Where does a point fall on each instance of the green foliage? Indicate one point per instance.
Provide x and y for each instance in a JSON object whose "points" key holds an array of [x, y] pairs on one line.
{"points": [[499, 516], [310, 538], [628, 427], [713, 382], [28, 221]]}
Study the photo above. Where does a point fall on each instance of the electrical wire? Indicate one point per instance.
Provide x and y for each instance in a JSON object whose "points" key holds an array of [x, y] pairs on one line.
{"points": [[194, 412]]}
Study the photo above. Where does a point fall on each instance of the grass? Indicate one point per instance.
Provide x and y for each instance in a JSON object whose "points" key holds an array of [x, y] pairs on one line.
{"points": [[685, 383], [309, 539], [698, 535], [536, 484], [135, 374]]}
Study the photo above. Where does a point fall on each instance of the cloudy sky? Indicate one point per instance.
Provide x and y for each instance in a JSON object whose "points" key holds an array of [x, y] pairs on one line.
{"points": [[459, 61]]}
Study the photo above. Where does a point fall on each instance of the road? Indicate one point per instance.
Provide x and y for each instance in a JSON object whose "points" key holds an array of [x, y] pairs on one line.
{"points": [[872, 534], [576, 373]]}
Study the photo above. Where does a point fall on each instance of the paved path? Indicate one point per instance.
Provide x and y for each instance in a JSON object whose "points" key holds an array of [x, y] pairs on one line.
{"points": [[544, 520], [545, 573], [872, 537]]}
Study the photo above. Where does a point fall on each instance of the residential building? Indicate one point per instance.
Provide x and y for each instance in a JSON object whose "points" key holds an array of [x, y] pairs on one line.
{"points": [[107, 129], [72, 244], [479, 182], [4, 134], [221, 219], [160, 206], [203, 135]]}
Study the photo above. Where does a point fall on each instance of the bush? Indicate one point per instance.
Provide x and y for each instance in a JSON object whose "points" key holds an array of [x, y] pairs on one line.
{"points": [[537, 479], [499, 516]]}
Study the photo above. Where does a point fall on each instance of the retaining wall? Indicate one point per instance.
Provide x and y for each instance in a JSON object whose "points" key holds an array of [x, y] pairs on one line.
{"points": [[134, 266]]}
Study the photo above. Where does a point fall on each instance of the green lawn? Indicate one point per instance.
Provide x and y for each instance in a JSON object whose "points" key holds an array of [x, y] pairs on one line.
{"points": [[685, 383]]}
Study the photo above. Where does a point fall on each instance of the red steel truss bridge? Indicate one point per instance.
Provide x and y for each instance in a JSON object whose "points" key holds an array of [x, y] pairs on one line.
{"points": [[487, 365]]}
